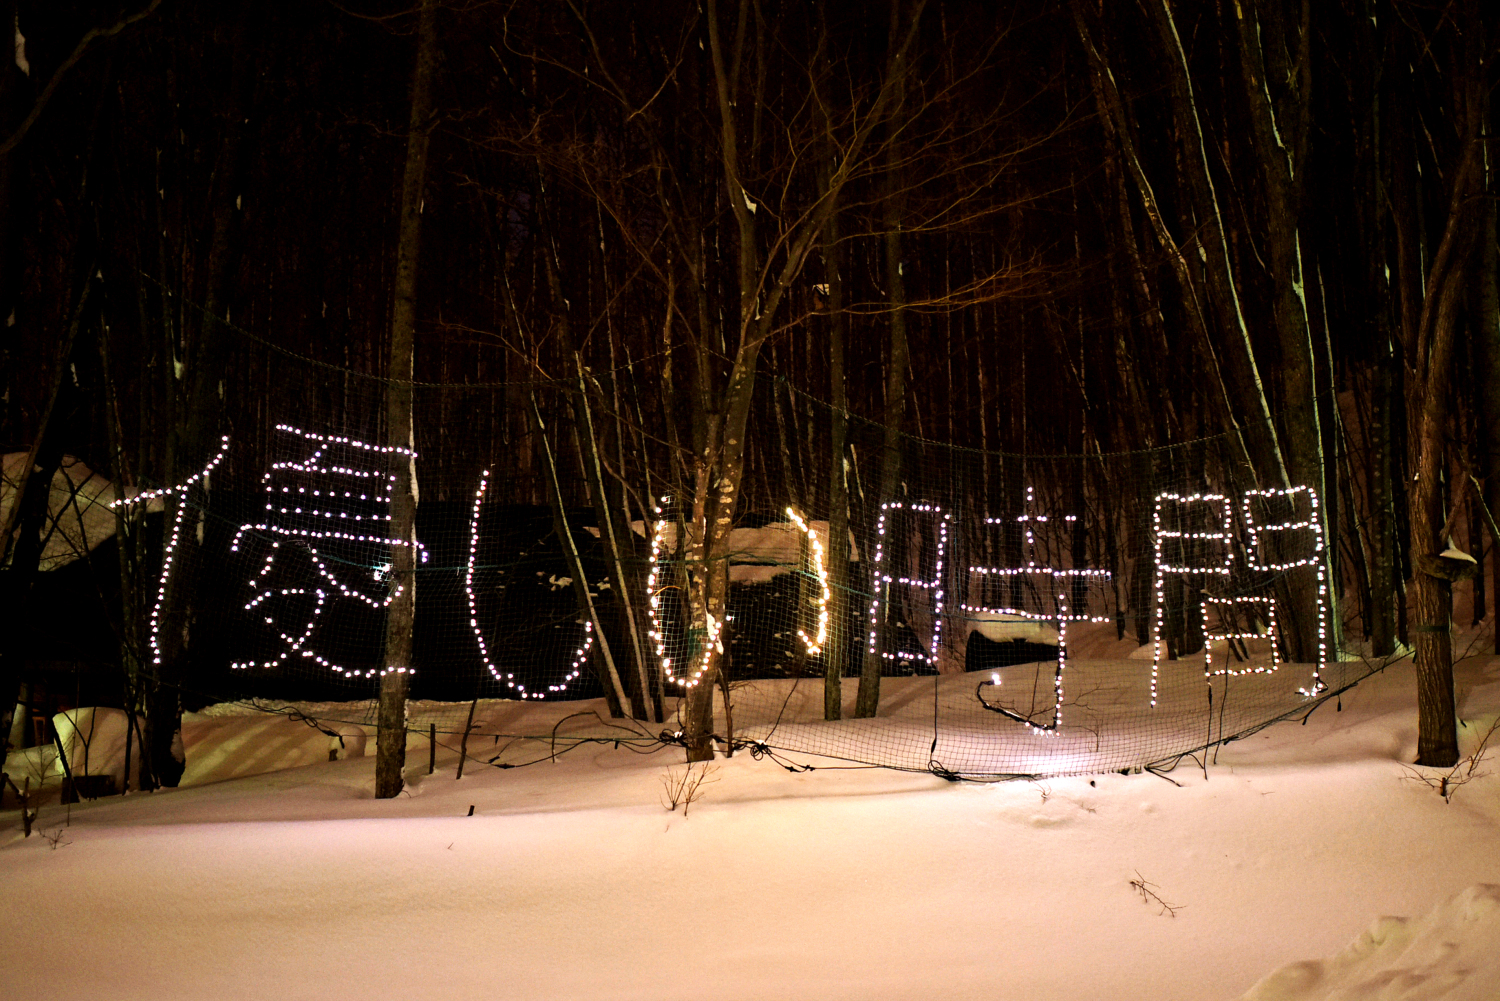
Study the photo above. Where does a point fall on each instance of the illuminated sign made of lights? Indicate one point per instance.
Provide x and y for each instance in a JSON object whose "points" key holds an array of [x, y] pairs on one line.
{"points": [[1184, 505], [712, 629], [883, 581], [814, 643], [1310, 530], [169, 553], [339, 493], [580, 656], [1268, 604], [1218, 542], [1060, 582], [327, 514]]}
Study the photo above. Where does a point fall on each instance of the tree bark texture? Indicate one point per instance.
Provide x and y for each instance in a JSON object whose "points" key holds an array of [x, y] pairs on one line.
{"points": [[836, 651], [198, 408], [1486, 333], [641, 705], [898, 362], [1430, 351], [391, 734]]}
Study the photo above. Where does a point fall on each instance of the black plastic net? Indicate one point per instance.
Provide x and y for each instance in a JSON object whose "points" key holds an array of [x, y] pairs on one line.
{"points": [[1000, 614]]}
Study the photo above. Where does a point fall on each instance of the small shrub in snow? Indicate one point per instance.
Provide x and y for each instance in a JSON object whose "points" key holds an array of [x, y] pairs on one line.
{"points": [[685, 786], [1462, 773]]}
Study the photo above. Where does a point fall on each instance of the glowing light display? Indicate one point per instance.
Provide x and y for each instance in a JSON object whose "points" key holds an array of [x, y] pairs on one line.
{"points": [[815, 643], [712, 627], [1059, 584], [1303, 536], [170, 553], [882, 580], [1183, 507], [329, 502], [1269, 604], [1311, 531], [323, 536], [580, 656]]}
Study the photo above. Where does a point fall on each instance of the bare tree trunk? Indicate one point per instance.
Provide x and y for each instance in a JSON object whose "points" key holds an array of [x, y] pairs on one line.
{"points": [[1235, 391], [129, 522], [1486, 335], [195, 433], [835, 652], [623, 588], [1246, 389], [390, 756], [1429, 363], [609, 678], [13, 87], [1427, 403], [1279, 135], [898, 360], [721, 417], [33, 495], [1385, 578]]}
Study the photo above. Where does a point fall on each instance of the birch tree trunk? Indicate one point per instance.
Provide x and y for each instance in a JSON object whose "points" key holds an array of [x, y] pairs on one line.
{"points": [[898, 360], [198, 409], [613, 541], [1279, 136], [835, 651], [718, 462], [1120, 128], [390, 757], [1246, 390]]}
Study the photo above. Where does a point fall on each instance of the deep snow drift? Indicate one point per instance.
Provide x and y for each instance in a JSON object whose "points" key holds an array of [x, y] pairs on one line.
{"points": [[1311, 862]]}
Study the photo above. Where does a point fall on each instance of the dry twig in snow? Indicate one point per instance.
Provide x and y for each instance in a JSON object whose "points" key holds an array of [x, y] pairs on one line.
{"points": [[1149, 895]]}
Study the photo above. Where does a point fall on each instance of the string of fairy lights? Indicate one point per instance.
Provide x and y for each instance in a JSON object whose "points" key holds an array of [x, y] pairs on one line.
{"points": [[657, 633], [1216, 510], [882, 581], [1227, 552], [1160, 537], [1313, 556], [169, 554], [702, 660], [814, 644], [508, 678], [324, 502], [1265, 603], [1062, 613], [329, 503]]}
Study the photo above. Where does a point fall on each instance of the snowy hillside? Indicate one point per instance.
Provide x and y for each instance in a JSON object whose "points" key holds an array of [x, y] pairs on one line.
{"points": [[1310, 863]]}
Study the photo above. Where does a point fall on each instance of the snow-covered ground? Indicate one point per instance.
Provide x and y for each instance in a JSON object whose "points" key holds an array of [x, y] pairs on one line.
{"points": [[1310, 862]]}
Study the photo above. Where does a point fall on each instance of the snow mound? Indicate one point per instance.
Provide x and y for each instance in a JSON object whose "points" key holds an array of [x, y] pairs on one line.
{"points": [[756, 555], [1002, 627], [94, 740], [79, 517], [1453, 953]]}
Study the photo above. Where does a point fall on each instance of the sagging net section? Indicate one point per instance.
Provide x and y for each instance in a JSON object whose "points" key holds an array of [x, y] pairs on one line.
{"points": [[896, 601]]}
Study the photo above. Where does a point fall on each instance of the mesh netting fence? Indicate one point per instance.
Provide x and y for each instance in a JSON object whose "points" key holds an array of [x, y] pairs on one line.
{"points": [[1000, 614]]}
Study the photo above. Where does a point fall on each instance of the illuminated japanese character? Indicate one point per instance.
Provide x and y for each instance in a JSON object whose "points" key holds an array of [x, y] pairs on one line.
{"points": [[1055, 595], [327, 513]]}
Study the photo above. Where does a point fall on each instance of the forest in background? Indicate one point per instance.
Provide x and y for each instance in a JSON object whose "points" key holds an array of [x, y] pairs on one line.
{"points": [[1034, 228]]}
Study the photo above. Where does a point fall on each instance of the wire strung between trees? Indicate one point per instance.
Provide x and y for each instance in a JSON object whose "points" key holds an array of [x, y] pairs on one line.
{"points": [[564, 385]]}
